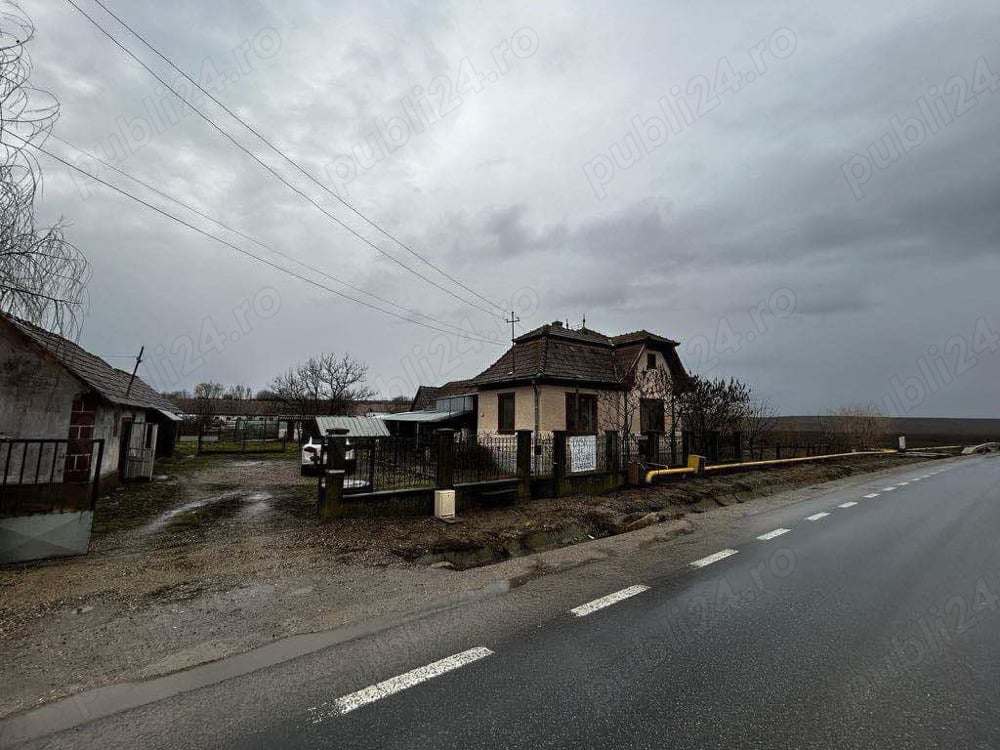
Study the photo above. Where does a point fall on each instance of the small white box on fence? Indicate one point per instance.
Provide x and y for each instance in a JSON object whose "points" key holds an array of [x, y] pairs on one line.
{"points": [[902, 442], [444, 503]]}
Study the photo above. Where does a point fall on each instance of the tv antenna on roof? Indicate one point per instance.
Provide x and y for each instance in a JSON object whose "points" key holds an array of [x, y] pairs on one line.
{"points": [[512, 320]]}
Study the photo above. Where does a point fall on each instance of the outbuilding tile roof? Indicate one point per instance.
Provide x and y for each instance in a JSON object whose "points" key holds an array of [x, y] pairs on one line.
{"points": [[109, 382]]}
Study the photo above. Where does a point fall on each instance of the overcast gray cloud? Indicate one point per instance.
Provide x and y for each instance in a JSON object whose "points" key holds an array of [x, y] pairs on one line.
{"points": [[823, 222]]}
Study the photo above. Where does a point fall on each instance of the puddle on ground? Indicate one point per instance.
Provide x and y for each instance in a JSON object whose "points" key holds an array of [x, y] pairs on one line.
{"points": [[260, 503], [245, 504]]}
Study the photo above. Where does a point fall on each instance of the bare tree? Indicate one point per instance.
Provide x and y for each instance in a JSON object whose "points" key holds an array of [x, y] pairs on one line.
{"points": [[207, 396], [208, 390], [325, 384], [238, 392], [760, 419], [860, 427], [42, 276], [619, 409], [714, 406]]}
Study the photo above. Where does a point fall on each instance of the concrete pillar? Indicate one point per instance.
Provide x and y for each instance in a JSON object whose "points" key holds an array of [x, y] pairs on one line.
{"points": [[559, 462], [331, 483], [446, 459]]}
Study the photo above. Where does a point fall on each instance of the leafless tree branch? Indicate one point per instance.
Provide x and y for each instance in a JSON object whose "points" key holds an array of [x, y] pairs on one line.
{"points": [[43, 276]]}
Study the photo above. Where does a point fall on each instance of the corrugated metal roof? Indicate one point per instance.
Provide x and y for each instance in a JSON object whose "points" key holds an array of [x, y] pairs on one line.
{"points": [[423, 416], [356, 426]]}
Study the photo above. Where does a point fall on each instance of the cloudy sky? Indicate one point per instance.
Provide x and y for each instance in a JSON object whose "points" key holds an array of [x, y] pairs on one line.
{"points": [[805, 195]]}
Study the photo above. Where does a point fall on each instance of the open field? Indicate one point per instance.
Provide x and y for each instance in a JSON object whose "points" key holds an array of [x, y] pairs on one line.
{"points": [[919, 431]]}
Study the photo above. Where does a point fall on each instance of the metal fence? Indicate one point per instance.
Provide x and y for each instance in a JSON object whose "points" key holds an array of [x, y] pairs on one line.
{"points": [[542, 461], [45, 476], [377, 464], [483, 458], [244, 436]]}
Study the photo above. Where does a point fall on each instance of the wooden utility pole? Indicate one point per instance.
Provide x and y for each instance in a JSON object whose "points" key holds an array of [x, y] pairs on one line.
{"points": [[138, 361]]}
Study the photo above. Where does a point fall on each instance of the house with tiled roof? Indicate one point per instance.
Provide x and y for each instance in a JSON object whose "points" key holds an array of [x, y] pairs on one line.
{"points": [[51, 388], [582, 381]]}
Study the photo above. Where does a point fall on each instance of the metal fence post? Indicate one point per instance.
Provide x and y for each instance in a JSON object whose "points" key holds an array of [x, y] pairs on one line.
{"points": [[446, 459], [714, 441], [612, 455], [652, 446], [685, 446], [559, 460], [738, 446], [373, 444], [524, 463]]}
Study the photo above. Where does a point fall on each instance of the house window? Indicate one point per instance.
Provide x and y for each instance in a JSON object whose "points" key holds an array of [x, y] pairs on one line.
{"points": [[581, 413], [505, 412], [650, 361], [651, 415]]}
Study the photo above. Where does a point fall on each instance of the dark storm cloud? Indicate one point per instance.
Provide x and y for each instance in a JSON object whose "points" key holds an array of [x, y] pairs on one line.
{"points": [[777, 194]]}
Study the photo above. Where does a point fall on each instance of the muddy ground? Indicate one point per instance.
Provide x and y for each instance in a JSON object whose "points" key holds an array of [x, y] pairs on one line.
{"points": [[225, 554]]}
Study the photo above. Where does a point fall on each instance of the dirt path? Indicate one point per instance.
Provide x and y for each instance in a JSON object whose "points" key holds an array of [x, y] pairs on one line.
{"points": [[226, 555]]}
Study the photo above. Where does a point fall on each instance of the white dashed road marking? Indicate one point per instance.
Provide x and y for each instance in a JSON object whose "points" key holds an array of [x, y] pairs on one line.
{"points": [[816, 516], [607, 601], [870, 496], [713, 558], [847, 505], [396, 684], [888, 489], [773, 534], [903, 484]]}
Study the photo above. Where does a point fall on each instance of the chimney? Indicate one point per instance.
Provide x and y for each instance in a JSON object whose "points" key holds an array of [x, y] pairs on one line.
{"points": [[557, 324]]}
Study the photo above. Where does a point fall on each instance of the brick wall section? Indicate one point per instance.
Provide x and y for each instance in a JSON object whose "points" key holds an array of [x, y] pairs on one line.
{"points": [[81, 431]]}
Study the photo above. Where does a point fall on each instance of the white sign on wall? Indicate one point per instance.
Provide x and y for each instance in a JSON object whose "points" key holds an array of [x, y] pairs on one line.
{"points": [[583, 453]]}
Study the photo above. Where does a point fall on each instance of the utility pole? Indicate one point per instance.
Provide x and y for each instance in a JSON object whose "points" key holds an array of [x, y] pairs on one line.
{"points": [[512, 320], [138, 361]]}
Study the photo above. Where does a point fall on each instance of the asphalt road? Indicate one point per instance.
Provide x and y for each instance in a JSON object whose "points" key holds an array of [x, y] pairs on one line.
{"points": [[870, 622]]}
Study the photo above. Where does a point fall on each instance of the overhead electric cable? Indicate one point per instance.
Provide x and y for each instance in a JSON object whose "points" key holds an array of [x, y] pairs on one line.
{"points": [[285, 182], [245, 236], [291, 161], [240, 250]]}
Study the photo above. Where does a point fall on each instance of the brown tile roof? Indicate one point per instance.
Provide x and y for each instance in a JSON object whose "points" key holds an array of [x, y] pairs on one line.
{"points": [[253, 407], [554, 352], [109, 382]]}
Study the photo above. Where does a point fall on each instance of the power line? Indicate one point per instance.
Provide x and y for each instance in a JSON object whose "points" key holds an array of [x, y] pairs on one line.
{"points": [[248, 237], [295, 164], [240, 250], [257, 159]]}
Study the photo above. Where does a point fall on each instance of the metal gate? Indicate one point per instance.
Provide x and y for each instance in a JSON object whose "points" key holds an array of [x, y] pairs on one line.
{"points": [[48, 491]]}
